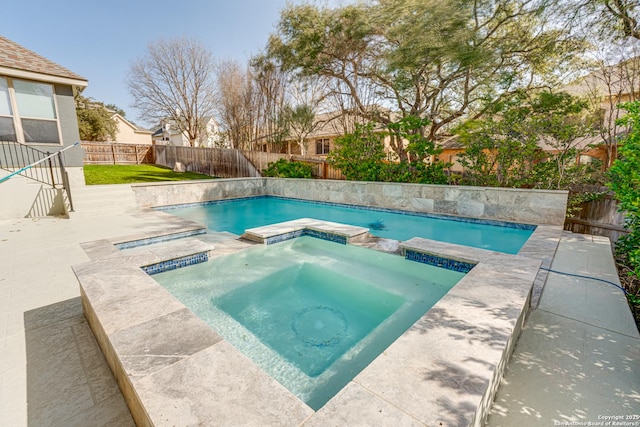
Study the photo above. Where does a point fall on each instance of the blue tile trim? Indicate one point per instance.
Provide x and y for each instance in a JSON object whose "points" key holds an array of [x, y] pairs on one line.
{"points": [[332, 237], [516, 225], [306, 232], [159, 239], [173, 264], [210, 202], [282, 237], [449, 264]]}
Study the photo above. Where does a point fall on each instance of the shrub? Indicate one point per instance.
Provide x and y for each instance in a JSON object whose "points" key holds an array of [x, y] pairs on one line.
{"points": [[625, 182], [286, 169]]}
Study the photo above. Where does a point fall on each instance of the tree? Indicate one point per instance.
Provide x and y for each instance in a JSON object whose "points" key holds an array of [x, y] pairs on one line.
{"points": [[608, 85], [236, 103], [174, 81], [301, 121], [361, 155], [305, 98], [115, 109], [423, 58], [95, 122], [504, 148], [625, 182], [271, 84], [607, 18]]}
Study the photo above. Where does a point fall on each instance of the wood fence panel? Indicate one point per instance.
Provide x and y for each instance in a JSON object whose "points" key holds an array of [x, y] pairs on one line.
{"points": [[220, 162], [261, 160], [598, 217], [116, 153]]}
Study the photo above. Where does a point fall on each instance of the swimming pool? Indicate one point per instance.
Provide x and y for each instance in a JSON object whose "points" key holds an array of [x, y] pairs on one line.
{"points": [[310, 313], [237, 215]]}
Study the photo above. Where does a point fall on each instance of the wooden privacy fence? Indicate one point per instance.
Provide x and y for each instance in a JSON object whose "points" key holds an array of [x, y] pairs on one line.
{"points": [[598, 217], [220, 162], [321, 169], [116, 153]]}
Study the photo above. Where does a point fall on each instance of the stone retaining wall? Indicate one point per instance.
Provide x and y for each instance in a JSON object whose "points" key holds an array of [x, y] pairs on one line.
{"points": [[505, 204]]}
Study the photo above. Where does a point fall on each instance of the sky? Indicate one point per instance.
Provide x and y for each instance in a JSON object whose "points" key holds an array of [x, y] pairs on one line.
{"points": [[99, 39]]}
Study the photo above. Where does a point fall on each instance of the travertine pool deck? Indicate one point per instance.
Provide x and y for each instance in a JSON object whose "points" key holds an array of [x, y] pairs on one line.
{"points": [[174, 369], [576, 359]]}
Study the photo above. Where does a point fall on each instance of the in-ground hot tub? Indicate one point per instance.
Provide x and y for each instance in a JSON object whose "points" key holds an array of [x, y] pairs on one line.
{"points": [[311, 313]]}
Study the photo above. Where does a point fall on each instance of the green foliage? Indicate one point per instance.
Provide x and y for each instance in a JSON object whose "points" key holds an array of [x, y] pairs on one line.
{"points": [[425, 58], [503, 149], [114, 107], [94, 121], [625, 182], [285, 169], [361, 155], [574, 204]]}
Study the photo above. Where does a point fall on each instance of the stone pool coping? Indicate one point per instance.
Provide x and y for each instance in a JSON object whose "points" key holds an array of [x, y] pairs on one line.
{"points": [[174, 369], [326, 230]]}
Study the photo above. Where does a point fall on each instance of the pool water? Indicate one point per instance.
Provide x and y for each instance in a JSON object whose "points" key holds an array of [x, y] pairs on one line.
{"points": [[236, 216], [310, 313], [318, 314]]}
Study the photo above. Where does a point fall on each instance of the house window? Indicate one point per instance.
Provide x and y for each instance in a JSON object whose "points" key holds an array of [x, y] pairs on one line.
{"points": [[322, 146], [28, 112], [7, 130]]}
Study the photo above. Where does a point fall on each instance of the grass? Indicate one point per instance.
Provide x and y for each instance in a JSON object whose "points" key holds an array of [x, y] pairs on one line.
{"points": [[128, 174]]}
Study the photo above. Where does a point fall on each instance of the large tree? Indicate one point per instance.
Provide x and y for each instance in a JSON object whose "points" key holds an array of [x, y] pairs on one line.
{"points": [[95, 122], [271, 84], [530, 141], [422, 58], [609, 19], [174, 81], [236, 99]]}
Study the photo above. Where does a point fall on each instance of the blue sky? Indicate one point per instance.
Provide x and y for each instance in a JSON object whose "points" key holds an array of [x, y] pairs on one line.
{"points": [[99, 39]]}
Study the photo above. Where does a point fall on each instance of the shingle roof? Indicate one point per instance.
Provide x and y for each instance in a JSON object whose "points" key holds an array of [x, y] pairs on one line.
{"points": [[17, 57]]}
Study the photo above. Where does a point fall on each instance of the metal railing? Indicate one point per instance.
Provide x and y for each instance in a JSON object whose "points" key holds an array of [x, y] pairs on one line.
{"points": [[41, 166]]}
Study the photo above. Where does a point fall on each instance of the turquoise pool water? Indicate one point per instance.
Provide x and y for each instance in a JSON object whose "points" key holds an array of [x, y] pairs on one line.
{"points": [[310, 313], [238, 215]]}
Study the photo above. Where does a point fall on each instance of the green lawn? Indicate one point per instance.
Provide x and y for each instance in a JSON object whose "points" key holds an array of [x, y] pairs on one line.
{"points": [[127, 174]]}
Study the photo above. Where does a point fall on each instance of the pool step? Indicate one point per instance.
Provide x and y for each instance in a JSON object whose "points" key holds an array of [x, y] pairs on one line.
{"points": [[326, 230]]}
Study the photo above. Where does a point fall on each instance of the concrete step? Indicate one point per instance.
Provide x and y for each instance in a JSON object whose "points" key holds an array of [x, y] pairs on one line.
{"points": [[94, 200]]}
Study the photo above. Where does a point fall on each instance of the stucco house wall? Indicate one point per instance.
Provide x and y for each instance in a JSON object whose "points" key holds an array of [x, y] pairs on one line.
{"points": [[128, 133]]}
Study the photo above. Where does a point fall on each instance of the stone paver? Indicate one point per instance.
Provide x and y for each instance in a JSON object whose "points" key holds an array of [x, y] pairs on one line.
{"points": [[577, 358]]}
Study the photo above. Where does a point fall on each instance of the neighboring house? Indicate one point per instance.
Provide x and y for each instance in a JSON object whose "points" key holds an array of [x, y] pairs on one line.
{"points": [[129, 133], [328, 127], [167, 133], [606, 88], [37, 105]]}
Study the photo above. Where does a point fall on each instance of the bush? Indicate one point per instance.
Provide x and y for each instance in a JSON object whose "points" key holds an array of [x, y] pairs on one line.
{"points": [[286, 169], [625, 182]]}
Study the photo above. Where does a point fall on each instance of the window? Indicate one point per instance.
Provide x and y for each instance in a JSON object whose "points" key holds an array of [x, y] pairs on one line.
{"points": [[28, 112], [7, 131], [322, 146]]}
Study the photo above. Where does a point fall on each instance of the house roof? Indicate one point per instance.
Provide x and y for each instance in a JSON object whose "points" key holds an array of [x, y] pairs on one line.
{"points": [[334, 124], [18, 61], [617, 79]]}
